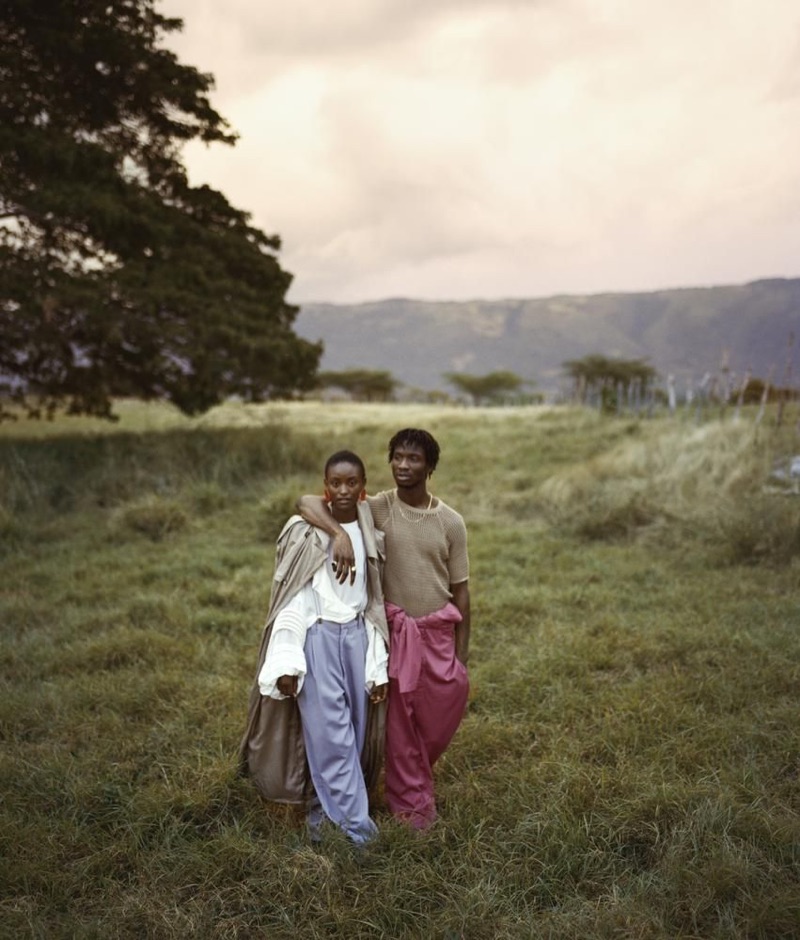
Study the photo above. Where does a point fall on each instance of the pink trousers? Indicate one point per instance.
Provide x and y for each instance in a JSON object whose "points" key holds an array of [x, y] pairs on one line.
{"points": [[428, 689]]}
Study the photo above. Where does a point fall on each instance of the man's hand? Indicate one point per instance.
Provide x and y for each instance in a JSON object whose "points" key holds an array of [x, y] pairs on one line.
{"points": [[315, 511], [287, 685], [344, 558], [460, 594], [378, 694]]}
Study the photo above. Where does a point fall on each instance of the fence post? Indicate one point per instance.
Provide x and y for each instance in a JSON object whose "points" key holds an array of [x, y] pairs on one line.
{"points": [[765, 396], [787, 377], [702, 395], [740, 397]]}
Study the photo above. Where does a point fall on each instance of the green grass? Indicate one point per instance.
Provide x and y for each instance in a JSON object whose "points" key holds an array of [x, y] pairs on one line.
{"points": [[629, 764]]}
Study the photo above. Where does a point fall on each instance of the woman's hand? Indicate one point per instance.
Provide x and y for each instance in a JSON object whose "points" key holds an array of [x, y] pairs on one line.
{"points": [[378, 694], [287, 685]]}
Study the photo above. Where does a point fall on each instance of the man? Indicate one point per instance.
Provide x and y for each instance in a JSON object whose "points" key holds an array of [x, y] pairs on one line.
{"points": [[322, 668], [426, 589]]}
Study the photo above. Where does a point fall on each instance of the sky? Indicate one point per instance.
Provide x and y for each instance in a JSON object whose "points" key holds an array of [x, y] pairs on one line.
{"points": [[488, 149]]}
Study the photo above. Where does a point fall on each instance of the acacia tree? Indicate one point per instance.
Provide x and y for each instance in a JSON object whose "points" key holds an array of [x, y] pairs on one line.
{"points": [[490, 387], [118, 277], [361, 384], [597, 373]]}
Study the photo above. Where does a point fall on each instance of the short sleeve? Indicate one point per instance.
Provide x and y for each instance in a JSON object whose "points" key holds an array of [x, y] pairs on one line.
{"points": [[380, 507], [458, 558]]}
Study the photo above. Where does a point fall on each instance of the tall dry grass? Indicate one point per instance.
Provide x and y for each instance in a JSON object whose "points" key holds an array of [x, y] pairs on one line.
{"points": [[628, 765], [711, 479]]}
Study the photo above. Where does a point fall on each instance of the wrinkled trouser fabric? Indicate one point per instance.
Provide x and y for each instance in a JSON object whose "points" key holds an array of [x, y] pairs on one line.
{"points": [[421, 719], [333, 707]]}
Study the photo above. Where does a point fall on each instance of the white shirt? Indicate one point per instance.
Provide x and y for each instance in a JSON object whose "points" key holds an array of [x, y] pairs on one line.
{"points": [[342, 603], [322, 597]]}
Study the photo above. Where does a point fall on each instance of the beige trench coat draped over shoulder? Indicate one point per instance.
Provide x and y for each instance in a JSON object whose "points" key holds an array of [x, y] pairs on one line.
{"points": [[272, 750]]}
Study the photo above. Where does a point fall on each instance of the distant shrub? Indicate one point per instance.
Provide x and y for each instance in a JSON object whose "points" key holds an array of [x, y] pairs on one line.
{"points": [[606, 519], [154, 517], [208, 497], [764, 529], [65, 473], [11, 531], [276, 507], [704, 476]]}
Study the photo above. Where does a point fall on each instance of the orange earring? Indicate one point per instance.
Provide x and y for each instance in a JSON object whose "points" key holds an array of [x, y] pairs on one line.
{"points": [[327, 496], [362, 495]]}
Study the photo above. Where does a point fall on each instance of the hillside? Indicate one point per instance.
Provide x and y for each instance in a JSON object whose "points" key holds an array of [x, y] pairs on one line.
{"points": [[684, 332]]}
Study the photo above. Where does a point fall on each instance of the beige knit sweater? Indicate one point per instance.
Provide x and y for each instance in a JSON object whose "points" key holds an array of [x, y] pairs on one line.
{"points": [[426, 552]]}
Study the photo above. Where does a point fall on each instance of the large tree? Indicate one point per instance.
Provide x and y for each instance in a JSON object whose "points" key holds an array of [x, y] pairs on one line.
{"points": [[118, 277]]}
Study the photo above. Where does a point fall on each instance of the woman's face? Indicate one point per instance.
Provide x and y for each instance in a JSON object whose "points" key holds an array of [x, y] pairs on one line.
{"points": [[344, 482]]}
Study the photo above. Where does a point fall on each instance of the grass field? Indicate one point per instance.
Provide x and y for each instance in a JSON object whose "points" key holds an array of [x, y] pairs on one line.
{"points": [[630, 762]]}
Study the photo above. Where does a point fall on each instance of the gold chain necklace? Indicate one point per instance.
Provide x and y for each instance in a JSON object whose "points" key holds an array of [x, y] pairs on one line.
{"points": [[399, 503]]}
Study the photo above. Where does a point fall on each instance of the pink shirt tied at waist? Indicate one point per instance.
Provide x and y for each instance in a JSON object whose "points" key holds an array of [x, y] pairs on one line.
{"points": [[405, 642]]}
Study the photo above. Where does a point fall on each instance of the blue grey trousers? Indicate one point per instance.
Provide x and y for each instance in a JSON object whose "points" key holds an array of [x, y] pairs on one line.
{"points": [[333, 706]]}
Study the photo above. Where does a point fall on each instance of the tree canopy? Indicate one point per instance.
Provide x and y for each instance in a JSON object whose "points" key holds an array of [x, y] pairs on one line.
{"points": [[361, 384], [600, 370], [493, 386], [118, 277]]}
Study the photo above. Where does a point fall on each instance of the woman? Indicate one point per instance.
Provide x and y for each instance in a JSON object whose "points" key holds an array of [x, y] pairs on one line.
{"points": [[316, 718]]}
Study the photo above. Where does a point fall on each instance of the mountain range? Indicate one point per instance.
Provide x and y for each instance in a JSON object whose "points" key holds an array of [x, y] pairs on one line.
{"points": [[686, 332]]}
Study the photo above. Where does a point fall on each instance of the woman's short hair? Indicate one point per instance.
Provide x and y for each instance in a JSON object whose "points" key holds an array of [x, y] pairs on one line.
{"points": [[346, 456]]}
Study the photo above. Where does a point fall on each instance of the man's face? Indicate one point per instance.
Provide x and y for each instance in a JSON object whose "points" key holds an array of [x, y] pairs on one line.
{"points": [[409, 466]]}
